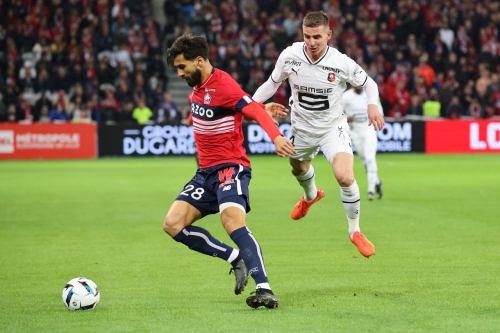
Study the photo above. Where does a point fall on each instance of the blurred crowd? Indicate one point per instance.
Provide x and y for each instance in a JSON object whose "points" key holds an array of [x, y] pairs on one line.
{"points": [[82, 61], [103, 60], [429, 57]]}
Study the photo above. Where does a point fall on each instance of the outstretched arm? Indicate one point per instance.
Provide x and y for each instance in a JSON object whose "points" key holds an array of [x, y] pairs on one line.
{"points": [[255, 111], [273, 110], [266, 90]]}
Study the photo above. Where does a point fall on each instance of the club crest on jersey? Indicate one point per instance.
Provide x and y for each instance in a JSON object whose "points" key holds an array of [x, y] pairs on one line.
{"points": [[207, 98], [331, 77]]}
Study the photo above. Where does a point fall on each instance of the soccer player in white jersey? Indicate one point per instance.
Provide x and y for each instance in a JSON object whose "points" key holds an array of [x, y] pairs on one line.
{"points": [[363, 136], [317, 75]]}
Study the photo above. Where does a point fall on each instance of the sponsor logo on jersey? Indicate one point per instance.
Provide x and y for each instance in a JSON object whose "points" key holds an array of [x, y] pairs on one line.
{"points": [[313, 90], [293, 63], [210, 89], [330, 69], [207, 98], [331, 77], [296, 71]]}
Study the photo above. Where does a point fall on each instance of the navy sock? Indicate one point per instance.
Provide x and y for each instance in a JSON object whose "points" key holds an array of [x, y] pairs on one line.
{"points": [[251, 253], [200, 240]]}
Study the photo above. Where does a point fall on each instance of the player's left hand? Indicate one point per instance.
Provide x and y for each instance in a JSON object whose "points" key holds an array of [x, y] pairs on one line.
{"points": [[276, 110], [375, 118], [283, 146]]}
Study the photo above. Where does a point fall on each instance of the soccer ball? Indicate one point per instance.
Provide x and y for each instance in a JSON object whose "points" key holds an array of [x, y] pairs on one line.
{"points": [[80, 294]]}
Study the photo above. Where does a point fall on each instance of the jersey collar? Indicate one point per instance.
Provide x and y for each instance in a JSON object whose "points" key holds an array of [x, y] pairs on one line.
{"points": [[317, 61]]}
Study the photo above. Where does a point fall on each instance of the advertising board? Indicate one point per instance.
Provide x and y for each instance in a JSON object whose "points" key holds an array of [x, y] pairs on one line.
{"points": [[48, 141]]}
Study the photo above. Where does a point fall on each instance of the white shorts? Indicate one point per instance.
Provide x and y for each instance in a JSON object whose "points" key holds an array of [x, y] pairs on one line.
{"points": [[365, 140], [307, 145]]}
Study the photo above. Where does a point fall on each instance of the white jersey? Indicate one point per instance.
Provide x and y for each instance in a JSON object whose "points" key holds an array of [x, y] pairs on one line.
{"points": [[356, 105], [317, 86]]}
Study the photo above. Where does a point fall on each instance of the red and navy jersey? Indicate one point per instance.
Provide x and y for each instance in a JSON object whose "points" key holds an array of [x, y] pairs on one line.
{"points": [[217, 117]]}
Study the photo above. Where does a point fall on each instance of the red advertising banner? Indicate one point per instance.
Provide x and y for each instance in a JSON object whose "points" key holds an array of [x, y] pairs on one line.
{"points": [[48, 141], [462, 136]]}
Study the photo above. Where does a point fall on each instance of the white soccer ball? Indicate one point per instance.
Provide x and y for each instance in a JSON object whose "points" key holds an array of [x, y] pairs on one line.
{"points": [[81, 294]]}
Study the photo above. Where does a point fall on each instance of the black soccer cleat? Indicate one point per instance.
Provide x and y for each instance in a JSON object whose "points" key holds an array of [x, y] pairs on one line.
{"points": [[378, 189], [241, 273], [262, 297]]}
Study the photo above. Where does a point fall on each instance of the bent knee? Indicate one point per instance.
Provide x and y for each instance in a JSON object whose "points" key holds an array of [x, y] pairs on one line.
{"points": [[345, 180], [173, 224], [299, 171]]}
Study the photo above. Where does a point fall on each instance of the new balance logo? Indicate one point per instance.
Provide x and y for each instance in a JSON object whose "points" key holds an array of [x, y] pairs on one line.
{"points": [[226, 188]]}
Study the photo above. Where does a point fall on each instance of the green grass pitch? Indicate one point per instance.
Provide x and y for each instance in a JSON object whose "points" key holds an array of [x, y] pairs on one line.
{"points": [[437, 266]]}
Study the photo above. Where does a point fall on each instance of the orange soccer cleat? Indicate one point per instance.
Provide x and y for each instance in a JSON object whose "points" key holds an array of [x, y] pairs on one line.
{"points": [[302, 207], [364, 246]]}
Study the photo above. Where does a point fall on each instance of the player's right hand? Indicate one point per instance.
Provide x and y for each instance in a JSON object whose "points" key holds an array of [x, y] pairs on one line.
{"points": [[283, 146]]}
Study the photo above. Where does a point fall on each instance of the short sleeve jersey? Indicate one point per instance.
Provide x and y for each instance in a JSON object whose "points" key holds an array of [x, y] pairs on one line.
{"points": [[316, 86], [216, 111]]}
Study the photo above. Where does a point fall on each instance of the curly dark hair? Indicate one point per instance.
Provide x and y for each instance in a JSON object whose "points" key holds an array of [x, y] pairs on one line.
{"points": [[190, 46]]}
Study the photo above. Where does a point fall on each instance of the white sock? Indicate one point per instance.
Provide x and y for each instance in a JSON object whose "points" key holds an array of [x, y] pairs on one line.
{"points": [[308, 184], [372, 173], [233, 255], [350, 199], [372, 181], [263, 286]]}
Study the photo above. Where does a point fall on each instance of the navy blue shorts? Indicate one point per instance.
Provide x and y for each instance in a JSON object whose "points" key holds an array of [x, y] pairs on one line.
{"points": [[216, 185]]}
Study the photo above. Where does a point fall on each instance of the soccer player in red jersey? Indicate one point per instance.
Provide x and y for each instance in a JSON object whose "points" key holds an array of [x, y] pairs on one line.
{"points": [[220, 185]]}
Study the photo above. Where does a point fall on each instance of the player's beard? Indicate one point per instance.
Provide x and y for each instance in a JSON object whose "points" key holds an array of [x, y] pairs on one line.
{"points": [[195, 78]]}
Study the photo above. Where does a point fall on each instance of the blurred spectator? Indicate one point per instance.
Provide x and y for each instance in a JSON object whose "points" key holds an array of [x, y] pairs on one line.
{"points": [[454, 109], [426, 71], [197, 23], [432, 107], [82, 115], [42, 107], [167, 111], [415, 108], [109, 105], [61, 80], [400, 99], [142, 113], [58, 114], [126, 113], [13, 114]]}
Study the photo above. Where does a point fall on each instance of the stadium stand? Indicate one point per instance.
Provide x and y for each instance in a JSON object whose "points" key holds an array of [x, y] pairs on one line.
{"points": [[97, 60]]}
